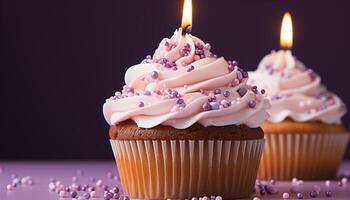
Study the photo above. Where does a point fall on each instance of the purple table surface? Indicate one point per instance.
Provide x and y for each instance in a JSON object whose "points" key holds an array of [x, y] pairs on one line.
{"points": [[42, 171]]}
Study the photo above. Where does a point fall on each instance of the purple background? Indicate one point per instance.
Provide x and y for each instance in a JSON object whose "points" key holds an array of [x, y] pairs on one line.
{"points": [[61, 59]]}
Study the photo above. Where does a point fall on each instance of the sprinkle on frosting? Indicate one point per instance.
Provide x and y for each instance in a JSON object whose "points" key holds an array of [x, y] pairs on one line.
{"points": [[161, 90]]}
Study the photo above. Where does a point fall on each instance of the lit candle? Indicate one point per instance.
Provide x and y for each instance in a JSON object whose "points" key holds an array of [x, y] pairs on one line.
{"points": [[186, 23], [286, 43], [286, 37]]}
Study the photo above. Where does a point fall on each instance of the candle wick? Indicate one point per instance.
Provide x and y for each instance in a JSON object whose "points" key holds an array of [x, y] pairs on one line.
{"points": [[186, 29]]}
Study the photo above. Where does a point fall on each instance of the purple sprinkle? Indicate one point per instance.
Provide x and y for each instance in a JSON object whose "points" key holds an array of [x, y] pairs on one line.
{"points": [[226, 94], [90, 189], [214, 105], [115, 189], [255, 89], [105, 187], [141, 104], [313, 194], [239, 75], [245, 74], [108, 195], [163, 61], [73, 194], [78, 187], [211, 99], [173, 94], [130, 89], [217, 91], [300, 195], [242, 91], [154, 75], [251, 104], [83, 188], [263, 91], [232, 65], [190, 68], [206, 106], [328, 194], [340, 184], [86, 195], [147, 93], [262, 192], [180, 101]]}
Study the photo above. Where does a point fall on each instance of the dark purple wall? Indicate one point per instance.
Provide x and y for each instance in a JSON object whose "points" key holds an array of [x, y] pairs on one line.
{"points": [[60, 59]]}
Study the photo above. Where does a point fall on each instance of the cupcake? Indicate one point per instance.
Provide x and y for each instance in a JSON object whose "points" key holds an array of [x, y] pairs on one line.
{"points": [[304, 135], [186, 124]]}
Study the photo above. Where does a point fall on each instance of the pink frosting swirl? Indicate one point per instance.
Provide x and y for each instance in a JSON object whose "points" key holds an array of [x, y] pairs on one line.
{"points": [[184, 83], [295, 91]]}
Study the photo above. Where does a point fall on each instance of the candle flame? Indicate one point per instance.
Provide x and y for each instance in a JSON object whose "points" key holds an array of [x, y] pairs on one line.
{"points": [[286, 38], [186, 23]]}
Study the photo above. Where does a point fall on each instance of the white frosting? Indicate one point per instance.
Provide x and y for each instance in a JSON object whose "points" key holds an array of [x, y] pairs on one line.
{"points": [[198, 73], [295, 91]]}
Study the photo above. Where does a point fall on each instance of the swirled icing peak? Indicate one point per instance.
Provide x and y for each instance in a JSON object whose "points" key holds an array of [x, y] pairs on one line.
{"points": [[184, 83], [295, 91]]}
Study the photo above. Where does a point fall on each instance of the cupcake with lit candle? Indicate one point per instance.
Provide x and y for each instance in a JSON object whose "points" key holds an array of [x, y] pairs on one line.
{"points": [[304, 135], [186, 124]]}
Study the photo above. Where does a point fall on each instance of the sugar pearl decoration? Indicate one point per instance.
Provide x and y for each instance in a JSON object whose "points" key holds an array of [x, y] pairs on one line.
{"points": [[141, 104], [285, 195], [251, 104], [154, 75], [313, 194], [300, 195], [206, 107], [9, 187], [242, 91], [214, 105]]}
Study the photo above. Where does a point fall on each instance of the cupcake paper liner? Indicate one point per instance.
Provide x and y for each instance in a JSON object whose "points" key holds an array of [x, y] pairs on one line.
{"points": [[179, 169], [302, 155]]}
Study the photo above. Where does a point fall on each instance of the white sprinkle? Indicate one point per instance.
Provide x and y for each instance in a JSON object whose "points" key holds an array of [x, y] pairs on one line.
{"points": [[9, 187], [62, 193], [256, 198], [327, 183], [99, 183], [93, 193], [300, 182], [218, 198], [344, 180], [205, 198], [207, 46], [285, 195], [52, 186]]}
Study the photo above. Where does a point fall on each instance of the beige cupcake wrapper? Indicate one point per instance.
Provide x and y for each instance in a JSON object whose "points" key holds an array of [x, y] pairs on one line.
{"points": [[304, 156], [179, 169]]}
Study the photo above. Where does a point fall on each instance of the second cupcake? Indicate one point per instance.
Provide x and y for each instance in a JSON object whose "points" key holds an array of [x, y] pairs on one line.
{"points": [[304, 134]]}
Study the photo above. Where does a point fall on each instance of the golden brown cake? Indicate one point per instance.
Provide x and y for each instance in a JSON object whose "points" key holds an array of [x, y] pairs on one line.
{"points": [[167, 162]]}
